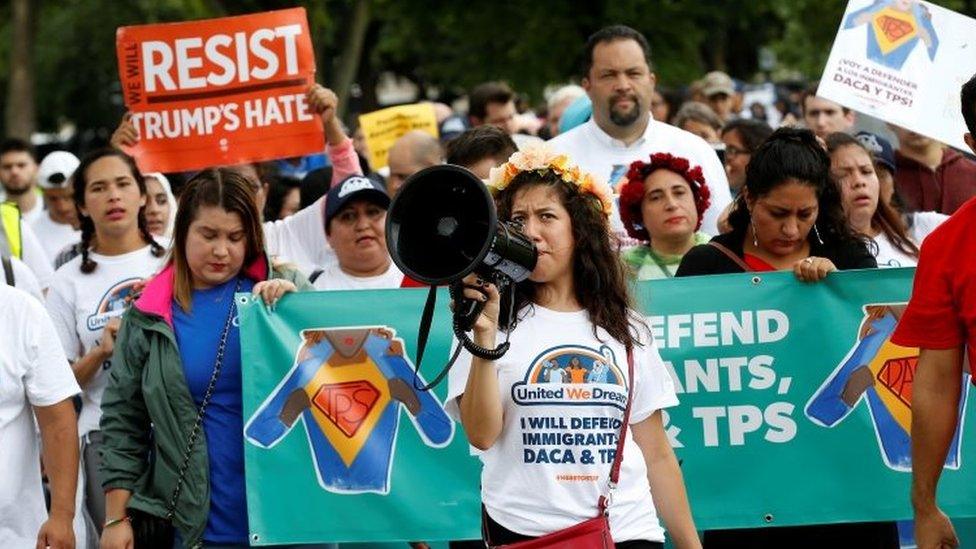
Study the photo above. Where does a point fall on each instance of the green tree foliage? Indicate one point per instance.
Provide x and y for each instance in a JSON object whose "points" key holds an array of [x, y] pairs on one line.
{"points": [[442, 45]]}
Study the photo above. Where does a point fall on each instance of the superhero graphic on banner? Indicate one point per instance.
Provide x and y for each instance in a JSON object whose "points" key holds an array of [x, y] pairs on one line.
{"points": [[349, 385], [895, 27], [880, 372]]}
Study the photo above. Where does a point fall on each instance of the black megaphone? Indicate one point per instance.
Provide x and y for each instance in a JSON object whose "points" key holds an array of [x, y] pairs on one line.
{"points": [[443, 226]]}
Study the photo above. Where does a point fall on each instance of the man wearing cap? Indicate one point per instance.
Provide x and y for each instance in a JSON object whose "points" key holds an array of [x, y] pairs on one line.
{"points": [[719, 91], [58, 226], [619, 80], [355, 225]]}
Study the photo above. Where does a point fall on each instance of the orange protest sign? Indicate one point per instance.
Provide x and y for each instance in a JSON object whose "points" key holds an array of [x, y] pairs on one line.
{"points": [[220, 91]]}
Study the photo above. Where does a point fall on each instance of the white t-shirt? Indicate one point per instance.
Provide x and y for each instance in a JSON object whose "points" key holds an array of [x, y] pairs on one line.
{"points": [[563, 396], [24, 279], [300, 239], [334, 278], [890, 256], [54, 237], [33, 372], [923, 223], [82, 304], [594, 151], [34, 256], [31, 217]]}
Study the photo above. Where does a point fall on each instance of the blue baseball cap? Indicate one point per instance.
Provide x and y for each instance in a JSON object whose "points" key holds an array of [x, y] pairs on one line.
{"points": [[354, 187], [880, 148]]}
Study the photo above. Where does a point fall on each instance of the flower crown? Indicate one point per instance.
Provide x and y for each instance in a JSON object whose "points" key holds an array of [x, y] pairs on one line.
{"points": [[540, 158], [632, 192]]}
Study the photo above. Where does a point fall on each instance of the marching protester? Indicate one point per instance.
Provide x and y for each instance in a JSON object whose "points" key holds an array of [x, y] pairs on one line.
{"points": [[160, 205], [480, 149], [574, 331], [938, 319], [557, 104], [823, 116], [931, 176], [36, 390], [412, 152], [619, 79], [852, 168], [919, 224], [701, 120], [661, 205], [741, 137], [719, 91], [18, 177], [789, 216], [57, 227], [89, 293], [178, 370]]}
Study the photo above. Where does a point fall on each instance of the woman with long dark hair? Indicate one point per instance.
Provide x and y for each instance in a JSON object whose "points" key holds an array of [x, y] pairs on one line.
{"points": [[853, 170], [89, 293], [175, 390], [788, 217], [572, 329]]}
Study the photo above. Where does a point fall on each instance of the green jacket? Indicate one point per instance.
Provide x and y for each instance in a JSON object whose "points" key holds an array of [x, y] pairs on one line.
{"points": [[147, 393]]}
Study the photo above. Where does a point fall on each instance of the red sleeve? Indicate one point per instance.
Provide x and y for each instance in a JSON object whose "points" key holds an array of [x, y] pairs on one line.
{"points": [[932, 319]]}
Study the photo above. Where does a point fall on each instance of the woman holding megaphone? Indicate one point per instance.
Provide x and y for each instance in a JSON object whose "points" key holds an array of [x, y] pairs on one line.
{"points": [[569, 420]]}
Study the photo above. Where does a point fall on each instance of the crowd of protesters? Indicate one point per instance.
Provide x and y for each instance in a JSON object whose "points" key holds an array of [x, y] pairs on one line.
{"points": [[119, 341]]}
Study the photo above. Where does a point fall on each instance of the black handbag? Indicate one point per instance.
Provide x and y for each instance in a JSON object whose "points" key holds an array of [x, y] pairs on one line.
{"points": [[148, 530]]}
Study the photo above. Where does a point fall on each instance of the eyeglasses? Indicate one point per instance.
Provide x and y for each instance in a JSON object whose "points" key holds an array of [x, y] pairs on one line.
{"points": [[731, 151]]}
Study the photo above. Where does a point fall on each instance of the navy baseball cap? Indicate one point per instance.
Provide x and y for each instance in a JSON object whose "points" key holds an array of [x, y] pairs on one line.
{"points": [[354, 187], [880, 148]]}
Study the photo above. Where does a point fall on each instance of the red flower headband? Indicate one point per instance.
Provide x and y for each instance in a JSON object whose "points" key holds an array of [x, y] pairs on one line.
{"points": [[633, 191]]}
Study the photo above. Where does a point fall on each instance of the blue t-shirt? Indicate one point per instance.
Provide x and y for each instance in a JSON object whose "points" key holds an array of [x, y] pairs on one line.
{"points": [[197, 336]]}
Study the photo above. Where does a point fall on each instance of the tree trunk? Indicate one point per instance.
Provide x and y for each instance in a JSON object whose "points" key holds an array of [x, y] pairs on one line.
{"points": [[19, 118], [349, 60]]}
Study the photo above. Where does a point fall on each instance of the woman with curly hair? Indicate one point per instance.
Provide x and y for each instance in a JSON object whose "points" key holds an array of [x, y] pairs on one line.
{"points": [[573, 313], [662, 204], [788, 217]]}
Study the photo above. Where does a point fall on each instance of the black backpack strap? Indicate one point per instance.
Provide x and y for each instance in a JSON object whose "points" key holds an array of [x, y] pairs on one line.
{"points": [[8, 270]]}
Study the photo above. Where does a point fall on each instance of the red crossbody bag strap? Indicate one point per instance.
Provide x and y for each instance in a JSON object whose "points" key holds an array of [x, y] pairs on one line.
{"points": [[622, 439]]}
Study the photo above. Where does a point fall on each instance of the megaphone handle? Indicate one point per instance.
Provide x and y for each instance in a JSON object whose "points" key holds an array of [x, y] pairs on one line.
{"points": [[466, 310]]}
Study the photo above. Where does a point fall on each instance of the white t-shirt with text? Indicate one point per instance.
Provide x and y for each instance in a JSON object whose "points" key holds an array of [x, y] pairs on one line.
{"points": [[33, 372], [594, 151], [563, 393], [82, 304]]}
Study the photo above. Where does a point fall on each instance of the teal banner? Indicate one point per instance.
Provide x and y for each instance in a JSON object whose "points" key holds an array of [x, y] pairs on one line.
{"points": [[795, 409], [340, 445]]}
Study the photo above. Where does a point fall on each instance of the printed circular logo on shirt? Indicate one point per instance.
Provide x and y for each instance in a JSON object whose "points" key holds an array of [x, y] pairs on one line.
{"points": [[113, 303], [573, 375]]}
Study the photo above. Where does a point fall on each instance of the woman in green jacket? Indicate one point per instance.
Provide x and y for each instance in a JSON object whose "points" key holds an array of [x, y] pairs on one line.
{"points": [[172, 414]]}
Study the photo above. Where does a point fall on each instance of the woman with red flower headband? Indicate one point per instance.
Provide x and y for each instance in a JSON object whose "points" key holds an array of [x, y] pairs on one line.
{"points": [[571, 329], [662, 203]]}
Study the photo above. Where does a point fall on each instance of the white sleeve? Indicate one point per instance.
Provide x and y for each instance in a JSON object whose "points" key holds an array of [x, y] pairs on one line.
{"points": [[457, 380], [923, 223], [25, 280], [62, 313], [653, 388], [34, 256], [300, 238], [49, 378], [718, 186]]}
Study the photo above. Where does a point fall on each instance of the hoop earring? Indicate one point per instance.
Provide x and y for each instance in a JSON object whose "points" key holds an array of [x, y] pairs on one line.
{"points": [[816, 233], [755, 239]]}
